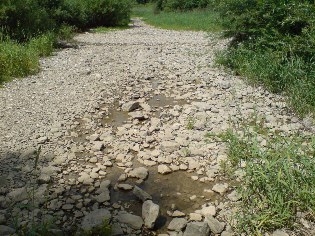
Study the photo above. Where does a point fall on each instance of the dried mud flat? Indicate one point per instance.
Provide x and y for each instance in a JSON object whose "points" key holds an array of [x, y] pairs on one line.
{"points": [[122, 121]]}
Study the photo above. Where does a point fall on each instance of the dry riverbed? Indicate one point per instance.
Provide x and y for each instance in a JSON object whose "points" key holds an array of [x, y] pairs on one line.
{"points": [[122, 122]]}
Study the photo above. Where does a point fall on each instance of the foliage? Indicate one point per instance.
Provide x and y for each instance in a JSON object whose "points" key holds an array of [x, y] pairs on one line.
{"points": [[197, 20], [181, 5], [274, 45], [279, 176]]}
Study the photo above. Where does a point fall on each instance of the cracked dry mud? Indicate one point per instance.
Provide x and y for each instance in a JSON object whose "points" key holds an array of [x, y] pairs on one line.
{"points": [[128, 109]]}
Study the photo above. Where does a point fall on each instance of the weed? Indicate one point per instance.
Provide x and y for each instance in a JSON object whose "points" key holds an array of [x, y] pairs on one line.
{"points": [[279, 176], [190, 123], [197, 20], [102, 230]]}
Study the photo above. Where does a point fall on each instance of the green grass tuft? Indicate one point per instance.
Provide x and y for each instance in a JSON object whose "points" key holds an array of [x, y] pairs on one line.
{"points": [[279, 176], [197, 20]]}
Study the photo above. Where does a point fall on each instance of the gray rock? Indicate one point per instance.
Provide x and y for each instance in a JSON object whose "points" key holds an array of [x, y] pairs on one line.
{"points": [[177, 224], [85, 178], [197, 229], [97, 146], [103, 197], [2, 219], [169, 146], [130, 106], [215, 226], [141, 194], [150, 212], [140, 173], [117, 230], [220, 188], [95, 218], [6, 231], [125, 186], [18, 194], [133, 221], [164, 169]]}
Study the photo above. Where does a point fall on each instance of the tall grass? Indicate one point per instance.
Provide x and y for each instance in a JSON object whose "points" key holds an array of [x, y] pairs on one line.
{"points": [[196, 20], [279, 176], [18, 60]]}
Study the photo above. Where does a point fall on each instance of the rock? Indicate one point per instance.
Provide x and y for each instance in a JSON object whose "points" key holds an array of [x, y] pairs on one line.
{"points": [[208, 211], [169, 146], [195, 217], [138, 115], [197, 229], [178, 214], [67, 207], [116, 230], [227, 233], [6, 231], [130, 106], [103, 197], [177, 224], [216, 226], [97, 146], [18, 194], [44, 179], [85, 178], [164, 169], [140, 173], [42, 140], [125, 186], [133, 221], [141, 194], [150, 213], [234, 196], [2, 219], [202, 106], [103, 186], [279, 233], [95, 218], [220, 188]]}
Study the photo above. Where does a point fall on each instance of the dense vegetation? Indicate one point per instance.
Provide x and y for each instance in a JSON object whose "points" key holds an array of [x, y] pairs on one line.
{"points": [[29, 28]]}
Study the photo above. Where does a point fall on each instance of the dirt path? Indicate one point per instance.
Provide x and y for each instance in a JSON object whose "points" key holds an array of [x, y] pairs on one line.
{"points": [[131, 107]]}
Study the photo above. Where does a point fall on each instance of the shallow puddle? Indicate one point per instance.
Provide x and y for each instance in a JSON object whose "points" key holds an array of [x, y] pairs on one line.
{"points": [[175, 189]]}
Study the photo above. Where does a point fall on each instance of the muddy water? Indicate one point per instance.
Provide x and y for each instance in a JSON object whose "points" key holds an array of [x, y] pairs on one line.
{"points": [[166, 190]]}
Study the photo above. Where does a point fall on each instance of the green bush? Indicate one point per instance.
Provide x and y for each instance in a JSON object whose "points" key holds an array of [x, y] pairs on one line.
{"points": [[181, 5], [17, 60], [274, 45]]}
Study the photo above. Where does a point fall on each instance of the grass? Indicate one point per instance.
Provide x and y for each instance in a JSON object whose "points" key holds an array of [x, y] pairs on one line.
{"points": [[197, 20], [294, 77], [279, 176]]}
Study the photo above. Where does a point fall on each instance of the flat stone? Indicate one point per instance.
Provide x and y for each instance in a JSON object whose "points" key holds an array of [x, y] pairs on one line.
{"points": [[6, 230], [169, 146], [116, 230], [133, 221], [85, 178], [177, 224], [140, 173], [103, 197], [178, 214], [130, 106], [150, 212], [67, 207], [18, 194], [125, 186], [97, 146], [195, 217], [234, 196], [220, 188], [141, 194], [164, 169], [209, 210], [95, 218], [216, 226], [197, 229]]}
